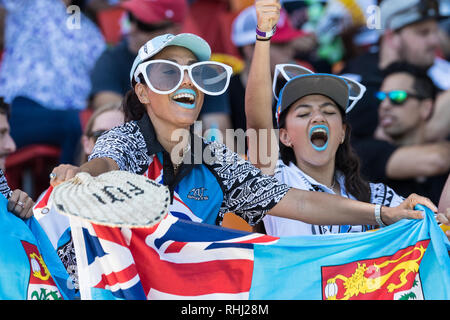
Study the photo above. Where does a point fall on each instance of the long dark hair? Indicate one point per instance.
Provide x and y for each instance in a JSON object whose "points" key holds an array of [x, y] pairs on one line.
{"points": [[347, 161], [132, 107]]}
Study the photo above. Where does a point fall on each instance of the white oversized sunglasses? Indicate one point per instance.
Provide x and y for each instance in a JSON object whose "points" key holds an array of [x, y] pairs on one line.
{"points": [[164, 77], [289, 71]]}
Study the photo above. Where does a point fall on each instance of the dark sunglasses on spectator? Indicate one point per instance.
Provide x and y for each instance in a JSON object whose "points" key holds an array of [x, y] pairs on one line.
{"points": [[397, 97], [96, 134], [149, 27]]}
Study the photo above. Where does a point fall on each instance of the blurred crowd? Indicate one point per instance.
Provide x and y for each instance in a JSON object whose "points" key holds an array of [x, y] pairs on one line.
{"points": [[63, 60]]}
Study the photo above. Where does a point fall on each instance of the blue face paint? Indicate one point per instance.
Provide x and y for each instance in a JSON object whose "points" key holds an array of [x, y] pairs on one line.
{"points": [[322, 148], [182, 104]]}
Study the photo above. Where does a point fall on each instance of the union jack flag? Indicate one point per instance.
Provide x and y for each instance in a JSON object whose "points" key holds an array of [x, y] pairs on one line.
{"points": [[205, 263]]}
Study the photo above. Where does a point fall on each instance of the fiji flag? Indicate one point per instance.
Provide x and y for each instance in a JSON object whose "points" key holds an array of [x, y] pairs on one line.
{"points": [[29, 266], [180, 259]]}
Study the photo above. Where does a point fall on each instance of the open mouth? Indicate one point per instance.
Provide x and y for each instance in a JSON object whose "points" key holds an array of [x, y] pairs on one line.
{"points": [[185, 98], [318, 136]]}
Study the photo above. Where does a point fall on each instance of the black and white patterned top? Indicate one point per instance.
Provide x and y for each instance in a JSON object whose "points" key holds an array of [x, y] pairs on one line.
{"points": [[4, 188], [211, 181]]}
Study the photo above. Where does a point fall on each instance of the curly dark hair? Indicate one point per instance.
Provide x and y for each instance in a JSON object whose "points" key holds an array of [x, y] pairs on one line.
{"points": [[347, 161]]}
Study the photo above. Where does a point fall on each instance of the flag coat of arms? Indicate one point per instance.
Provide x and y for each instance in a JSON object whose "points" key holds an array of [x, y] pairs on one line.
{"points": [[181, 259], [29, 266]]}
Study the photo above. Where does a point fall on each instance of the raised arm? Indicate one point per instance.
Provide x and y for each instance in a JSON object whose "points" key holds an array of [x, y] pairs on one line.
{"points": [[258, 94]]}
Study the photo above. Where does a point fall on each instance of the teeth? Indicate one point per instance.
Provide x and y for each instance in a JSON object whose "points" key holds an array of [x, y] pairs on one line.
{"points": [[320, 130], [189, 96]]}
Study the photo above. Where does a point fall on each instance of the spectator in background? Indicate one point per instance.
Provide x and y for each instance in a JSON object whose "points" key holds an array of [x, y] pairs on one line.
{"points": [[243, 36], [409, 33], [49, 54], [400, 157], [145, 20], [19, 202], [104, 118]]}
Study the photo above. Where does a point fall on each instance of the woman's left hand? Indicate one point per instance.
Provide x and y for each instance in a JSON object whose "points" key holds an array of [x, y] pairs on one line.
{"points": [[21, 204]]}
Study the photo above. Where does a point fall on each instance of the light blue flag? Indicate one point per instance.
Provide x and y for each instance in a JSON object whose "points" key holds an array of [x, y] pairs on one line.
{"points": [[407, 260], [29, 265]]}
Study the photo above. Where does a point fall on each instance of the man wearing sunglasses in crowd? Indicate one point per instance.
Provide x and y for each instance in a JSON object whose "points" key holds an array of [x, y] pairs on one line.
{"points": [[143, 21], [400, 156], [409, 32]]}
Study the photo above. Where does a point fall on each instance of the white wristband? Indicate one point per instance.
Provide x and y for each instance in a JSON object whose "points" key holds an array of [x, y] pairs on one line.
{"points": [[378, 216]]}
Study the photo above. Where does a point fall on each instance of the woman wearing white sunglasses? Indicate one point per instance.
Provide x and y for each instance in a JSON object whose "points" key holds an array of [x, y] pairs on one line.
{"points": [[169, 78], [313, 147]]}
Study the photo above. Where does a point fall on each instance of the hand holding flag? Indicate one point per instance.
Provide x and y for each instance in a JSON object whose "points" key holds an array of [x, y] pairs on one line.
{"points": [[21, 204]]}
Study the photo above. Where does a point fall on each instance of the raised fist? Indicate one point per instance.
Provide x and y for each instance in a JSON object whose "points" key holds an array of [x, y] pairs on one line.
{"points": [[267, 14]]}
